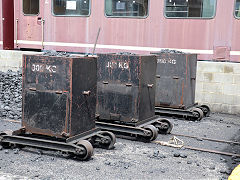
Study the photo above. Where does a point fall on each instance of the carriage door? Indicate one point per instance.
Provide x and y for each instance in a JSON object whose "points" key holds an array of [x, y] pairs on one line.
{"points": [[30, 24]]}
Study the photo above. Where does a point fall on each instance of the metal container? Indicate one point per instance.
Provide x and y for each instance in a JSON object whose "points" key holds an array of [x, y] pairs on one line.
{"points": [[126, 87], [59, 94], [175, 80]]}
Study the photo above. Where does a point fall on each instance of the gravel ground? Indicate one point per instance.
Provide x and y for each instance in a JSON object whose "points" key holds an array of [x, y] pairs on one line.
{"points": [[135, 160], [129, 159]]}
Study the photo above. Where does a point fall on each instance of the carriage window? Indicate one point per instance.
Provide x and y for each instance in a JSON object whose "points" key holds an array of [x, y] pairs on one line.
{"points": [[126, 8], [31, 7], [237, 9], [71, 7], [190, 8]]}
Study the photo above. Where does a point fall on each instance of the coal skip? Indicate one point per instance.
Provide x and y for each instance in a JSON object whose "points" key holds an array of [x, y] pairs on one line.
{"points": [[11, 95]]}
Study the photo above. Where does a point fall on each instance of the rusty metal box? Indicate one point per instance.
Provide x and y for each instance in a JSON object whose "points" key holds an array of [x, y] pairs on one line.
{"points": [[126, 87], [176, 79], [59, 94]]}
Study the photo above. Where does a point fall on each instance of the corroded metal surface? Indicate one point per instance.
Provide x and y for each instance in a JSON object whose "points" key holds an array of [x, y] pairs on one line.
{"points": [[54, 102], [176, 79], [126, 87]]}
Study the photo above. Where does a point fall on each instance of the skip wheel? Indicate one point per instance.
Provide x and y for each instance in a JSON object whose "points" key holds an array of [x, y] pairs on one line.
{"points": [[111, 140], [88, 149], [206, 110], [5, 144], [197, 113], [164, 126], [154, 132]]}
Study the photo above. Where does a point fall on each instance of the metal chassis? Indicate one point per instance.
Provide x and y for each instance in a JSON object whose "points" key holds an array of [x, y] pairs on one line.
{"points": [[129, 131], [187, 114], [19, 137]]}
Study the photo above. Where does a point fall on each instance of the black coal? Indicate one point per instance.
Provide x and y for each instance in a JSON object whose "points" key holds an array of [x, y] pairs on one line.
{"points": [[11, 95], [172, 51]]}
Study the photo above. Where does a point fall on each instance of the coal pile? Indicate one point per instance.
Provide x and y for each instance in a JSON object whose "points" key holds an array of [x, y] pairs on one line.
{"points": [[125, 53], [11, 95], [169, 51], [56, 53]]}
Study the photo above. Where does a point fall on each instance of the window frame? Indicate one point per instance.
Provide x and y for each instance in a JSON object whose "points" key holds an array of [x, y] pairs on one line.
{"points": [[131, 17], [236, 17], [89, 14], [204, 18], [31, 14]]}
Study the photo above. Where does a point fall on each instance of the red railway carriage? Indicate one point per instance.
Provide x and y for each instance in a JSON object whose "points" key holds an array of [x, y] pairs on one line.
{"points": [[207, 27]]}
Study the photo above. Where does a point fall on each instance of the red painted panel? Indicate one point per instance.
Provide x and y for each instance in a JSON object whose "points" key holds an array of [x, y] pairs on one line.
{"points": [[236, 35], [223, 23], [29, 26], [153, 31], [8, 24], [0, 25], [235, 58]]}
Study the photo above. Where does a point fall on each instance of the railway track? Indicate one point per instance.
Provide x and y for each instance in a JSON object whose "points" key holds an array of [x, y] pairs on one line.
{"points": [[10, 120], [208, 139], [175, 142]]}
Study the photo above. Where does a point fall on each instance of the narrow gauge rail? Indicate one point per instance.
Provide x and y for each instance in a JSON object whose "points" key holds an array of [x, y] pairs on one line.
{"points": [[178, 143], [208, 139]]}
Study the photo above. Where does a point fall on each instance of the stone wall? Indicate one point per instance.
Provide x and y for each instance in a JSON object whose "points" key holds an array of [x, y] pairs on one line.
{"points": [[12, 59], [218, 85]]}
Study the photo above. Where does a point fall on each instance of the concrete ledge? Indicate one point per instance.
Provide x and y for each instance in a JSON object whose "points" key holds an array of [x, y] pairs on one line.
{"points": [[12, 60], [218, 85]]}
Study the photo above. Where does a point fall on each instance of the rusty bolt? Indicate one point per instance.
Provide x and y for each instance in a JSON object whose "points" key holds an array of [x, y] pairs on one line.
{"points": [[64, 134], [150, 85], [87, 93], [32, 89], [134, 120], [58, 92]]}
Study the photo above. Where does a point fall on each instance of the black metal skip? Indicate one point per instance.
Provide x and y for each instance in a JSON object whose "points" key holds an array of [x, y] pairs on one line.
{"points": [[59, 100], [125, 96], [175, 86]]}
